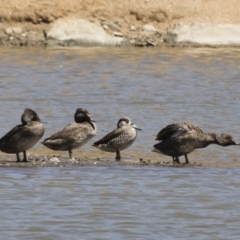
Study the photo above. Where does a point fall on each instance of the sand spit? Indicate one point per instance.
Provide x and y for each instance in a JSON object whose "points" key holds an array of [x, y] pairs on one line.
{"points": [[58, 161]]}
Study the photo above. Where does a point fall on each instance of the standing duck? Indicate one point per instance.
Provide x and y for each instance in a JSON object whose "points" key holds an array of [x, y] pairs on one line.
{"points": [[119, 139], [182, 138], [24, 136], [73, 135]]}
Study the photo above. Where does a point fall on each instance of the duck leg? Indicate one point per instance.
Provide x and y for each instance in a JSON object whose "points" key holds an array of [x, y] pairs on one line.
{"points": [[70, 154], [186, 158], [118, 157], [18, 158], [24, 156], [177, 159]]}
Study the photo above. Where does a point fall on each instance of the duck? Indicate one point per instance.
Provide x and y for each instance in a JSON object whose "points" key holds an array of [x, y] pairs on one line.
{"points": [[73, 135], [120, 138], [180, 139], [24, 136]]}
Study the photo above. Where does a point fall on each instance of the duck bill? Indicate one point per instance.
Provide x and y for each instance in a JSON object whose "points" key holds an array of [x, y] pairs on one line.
{"points": [[136, 127]]}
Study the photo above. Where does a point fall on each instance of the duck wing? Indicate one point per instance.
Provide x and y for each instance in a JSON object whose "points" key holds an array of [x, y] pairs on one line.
{"points": [[67, 138], [176, 129], [17, 129], [72, 132], [110, 136], [172, 131]]}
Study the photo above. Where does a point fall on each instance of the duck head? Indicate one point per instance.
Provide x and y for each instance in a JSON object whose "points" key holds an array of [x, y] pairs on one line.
{"points": [[226, 140], [82, 115], [28, 116], [126, 121]]}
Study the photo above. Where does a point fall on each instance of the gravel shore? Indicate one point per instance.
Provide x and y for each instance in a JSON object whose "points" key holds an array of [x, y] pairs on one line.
{"points": [[57, 161]]}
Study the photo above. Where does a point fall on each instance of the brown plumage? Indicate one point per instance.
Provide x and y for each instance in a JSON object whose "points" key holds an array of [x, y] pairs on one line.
{"points": [[73, 135], [119, 139], [180, 139], [24, 136]]}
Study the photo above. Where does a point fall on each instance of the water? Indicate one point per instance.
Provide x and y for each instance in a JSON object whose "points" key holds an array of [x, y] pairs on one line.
{"points": [[119, 203], [154, 87]]}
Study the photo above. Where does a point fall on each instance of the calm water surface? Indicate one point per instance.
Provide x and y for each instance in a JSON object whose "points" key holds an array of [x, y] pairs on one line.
{"points": [[154, 87], [119, 203]]}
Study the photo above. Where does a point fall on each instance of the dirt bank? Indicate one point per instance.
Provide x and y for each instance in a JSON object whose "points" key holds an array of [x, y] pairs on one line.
{"points": [[139, 23]]}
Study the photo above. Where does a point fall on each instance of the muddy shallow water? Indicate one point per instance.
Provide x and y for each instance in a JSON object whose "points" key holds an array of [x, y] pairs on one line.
{"points": [[154, 87]]}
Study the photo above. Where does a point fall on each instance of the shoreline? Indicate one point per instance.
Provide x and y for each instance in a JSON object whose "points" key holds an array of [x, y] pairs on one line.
{"points": [[76, 32], [120, 24], [59, 161]]}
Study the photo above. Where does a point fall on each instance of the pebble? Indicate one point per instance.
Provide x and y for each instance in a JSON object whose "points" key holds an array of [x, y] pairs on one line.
{"points": [[13, 30], [55, 160], [151, 43], [132, 28], [117, 34], [105, 27], [149, 28]]}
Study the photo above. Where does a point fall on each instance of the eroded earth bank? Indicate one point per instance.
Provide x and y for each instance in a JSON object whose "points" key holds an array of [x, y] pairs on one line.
{"points": [[120, 23]]}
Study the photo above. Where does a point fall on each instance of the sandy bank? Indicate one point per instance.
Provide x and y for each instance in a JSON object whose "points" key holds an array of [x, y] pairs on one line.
{"points": [[125, 23]]}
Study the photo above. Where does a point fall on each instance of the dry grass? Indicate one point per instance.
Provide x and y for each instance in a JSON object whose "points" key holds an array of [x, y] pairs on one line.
{"points": [[160, 13]]}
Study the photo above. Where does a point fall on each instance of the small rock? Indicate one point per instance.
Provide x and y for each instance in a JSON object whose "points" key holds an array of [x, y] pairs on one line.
{"points": [[151, 43], [132, 41], [170, 38], [13, 30], [105, 27], [112, 26], [140, 43], [149, 28], [73, 160], [9, 31], [102, 19], [17, 30], [35, 36], [132, 28], [119, 22], [117, 34], [55, 160]]}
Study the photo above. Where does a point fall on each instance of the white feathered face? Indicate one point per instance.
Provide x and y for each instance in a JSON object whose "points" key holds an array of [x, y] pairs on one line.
{"points": [[123, 121], [126, 121]]}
